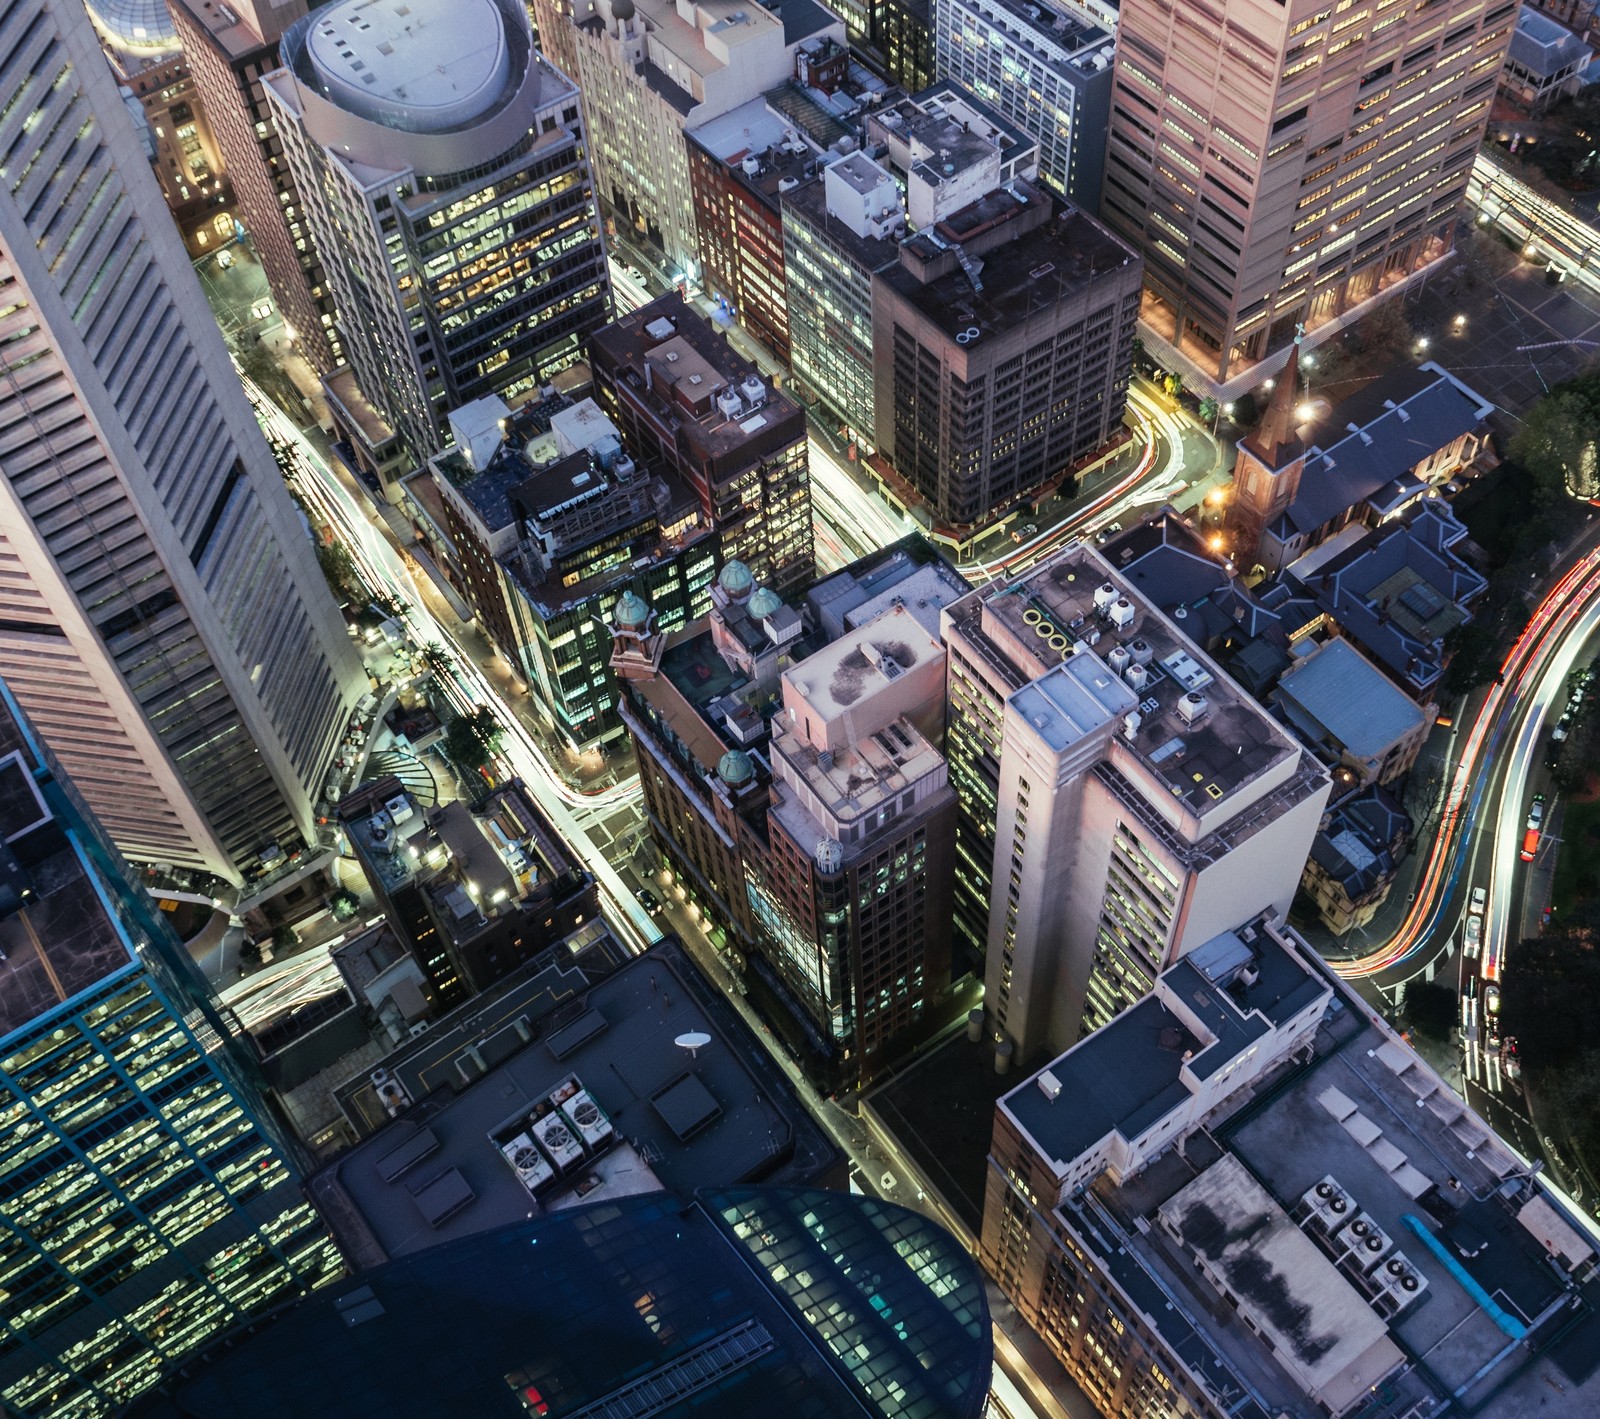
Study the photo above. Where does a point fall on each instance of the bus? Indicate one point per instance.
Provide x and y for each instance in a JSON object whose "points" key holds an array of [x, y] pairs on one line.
{"points": [[1530, 834]]}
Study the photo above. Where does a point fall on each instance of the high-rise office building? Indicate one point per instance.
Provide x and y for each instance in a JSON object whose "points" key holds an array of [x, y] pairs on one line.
{"points": [[1047, 68], [445, 173], [649, 69], [1139, 801], [686, 403], [229, 48], [162, 617], [145, 1203], [1002, 347], [1290, 166], [1248, 1195]]}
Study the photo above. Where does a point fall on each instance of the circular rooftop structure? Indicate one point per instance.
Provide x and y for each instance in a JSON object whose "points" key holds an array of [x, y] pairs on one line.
{"points": [[440, 64], [735, 768], [622, 9], [735, 578], [631, 613], [766, 602], [135, 26]]}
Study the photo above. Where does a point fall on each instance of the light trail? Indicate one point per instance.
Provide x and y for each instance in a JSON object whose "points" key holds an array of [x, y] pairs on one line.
{"points": [[1566, 617], [382, 566]]}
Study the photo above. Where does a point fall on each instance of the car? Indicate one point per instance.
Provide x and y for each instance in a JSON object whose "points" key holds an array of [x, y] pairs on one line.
{"points": [[224, 259], [1559, 733], [1491, 1000], [1469, 988], [1530, 835], [1022, 533], [1474, 938], [1478, 901], [1491, 1032], [261, 310], [649, 901]]}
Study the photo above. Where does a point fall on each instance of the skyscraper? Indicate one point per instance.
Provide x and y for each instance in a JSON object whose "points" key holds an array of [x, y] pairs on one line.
{"points": [[1290, 165], [229, 48], [445, 172], [162, 618], [1139, 800], [144, 1203]]}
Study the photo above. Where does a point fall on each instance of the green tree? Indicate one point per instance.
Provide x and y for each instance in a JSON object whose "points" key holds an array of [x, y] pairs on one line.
{"points": [[344, 904], [1556, 441], [340, 572], [1173, 384], [1548, 1000], [473, 739], [284, 938], [1209, 409], [1430, 1009], [1387, 329]]}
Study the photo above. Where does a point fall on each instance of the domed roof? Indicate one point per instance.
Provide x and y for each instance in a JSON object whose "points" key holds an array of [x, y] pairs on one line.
{"points": [[135, 26], [735, 768], [735, 578], [631, 613], [622, 9], [766, 602]]}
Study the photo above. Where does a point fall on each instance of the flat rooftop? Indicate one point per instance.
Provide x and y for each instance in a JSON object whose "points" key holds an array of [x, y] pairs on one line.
{"points": [[1075, 598], [684, 1115], [809, 204], [858, 779], [1459, 1252], [837, 676], [1056, 261]]}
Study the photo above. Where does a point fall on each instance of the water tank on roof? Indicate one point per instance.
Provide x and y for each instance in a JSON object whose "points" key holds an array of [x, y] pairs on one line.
{"points": [[830, 856]]}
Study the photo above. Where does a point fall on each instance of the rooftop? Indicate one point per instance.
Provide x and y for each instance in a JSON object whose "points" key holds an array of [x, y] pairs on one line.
{"points": [[678, 1115], [441, 63], [1055, 261], [725, 1306], [809, 203], [1362, 449], [675, 363], [1545, 48], [1201, 736], [711, 39], [1351, 1206], [853, 668], [910, 573], [1337, 693], [755, 133]]}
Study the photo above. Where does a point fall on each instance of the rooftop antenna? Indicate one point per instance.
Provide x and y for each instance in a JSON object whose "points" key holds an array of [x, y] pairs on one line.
{"points": [[694, 1042]]}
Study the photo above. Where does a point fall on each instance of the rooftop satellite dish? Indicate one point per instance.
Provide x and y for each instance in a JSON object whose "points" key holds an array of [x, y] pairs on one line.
{"points": [[694, 1041]]}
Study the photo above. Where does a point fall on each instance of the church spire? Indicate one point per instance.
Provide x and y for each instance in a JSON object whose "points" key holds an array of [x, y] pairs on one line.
{"points": [[1276, 441]]}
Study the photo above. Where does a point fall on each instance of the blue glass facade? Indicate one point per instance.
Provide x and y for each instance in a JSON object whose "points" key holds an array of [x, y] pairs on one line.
{"points": [[145, 1202]]}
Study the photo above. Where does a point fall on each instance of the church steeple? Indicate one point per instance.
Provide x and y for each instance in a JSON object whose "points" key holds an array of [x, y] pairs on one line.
{"points": [[1276, 440]]}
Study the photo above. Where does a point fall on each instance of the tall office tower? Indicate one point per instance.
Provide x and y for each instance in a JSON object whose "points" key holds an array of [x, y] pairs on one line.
{"points": [[799, 792], [229, 47], [1249, 1195], [1047, 68], [145, 1205], [162, 618], [649, 69], [839, 230], [1290, 165], [902, 32], [687, 404], [445, 173], [1003, 343], [1139, 800]]}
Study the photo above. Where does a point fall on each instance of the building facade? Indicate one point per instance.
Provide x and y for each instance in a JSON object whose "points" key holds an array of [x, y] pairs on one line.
{"points": [[1315, 177], [839, 230], [165, 623], [229, 49], [1003, 344], [445, 170], [742, 167], [687, 404], [902, 32], [651, 69], [1137, 797], [148, 1203], [1047, 68]]}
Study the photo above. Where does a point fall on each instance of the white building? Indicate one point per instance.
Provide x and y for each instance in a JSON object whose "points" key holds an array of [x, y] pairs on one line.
{"points": [[162, 618], [1045, 67], [446, 179], [649, 69], [1142, 802]]}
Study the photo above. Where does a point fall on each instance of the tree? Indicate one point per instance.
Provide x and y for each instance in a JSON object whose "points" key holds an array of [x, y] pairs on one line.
{"points": [[1173, 384], [1430, 1009], [1473, 650], [344, 904], [1556, 441], [340, 572], [1209, 409], [1547, 1002], [284, 938], [473, 739], [1387, 328]]}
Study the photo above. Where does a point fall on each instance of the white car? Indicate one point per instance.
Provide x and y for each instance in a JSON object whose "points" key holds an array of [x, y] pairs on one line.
{"points": [[1480, 900], [224, 259]]}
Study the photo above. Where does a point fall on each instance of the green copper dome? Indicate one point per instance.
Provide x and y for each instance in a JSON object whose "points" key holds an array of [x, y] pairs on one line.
{"points": [[735, 579], [631, 613], [735, 768], [766, 602]]}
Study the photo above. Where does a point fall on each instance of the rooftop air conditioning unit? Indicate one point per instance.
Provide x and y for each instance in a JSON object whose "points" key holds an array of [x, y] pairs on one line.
{"points": [[556, 1138], [1139, 648], [1104, 595], [1192, 706], [1328, 1204], [1120, 613], [533, 1170], [589, 1119]]}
